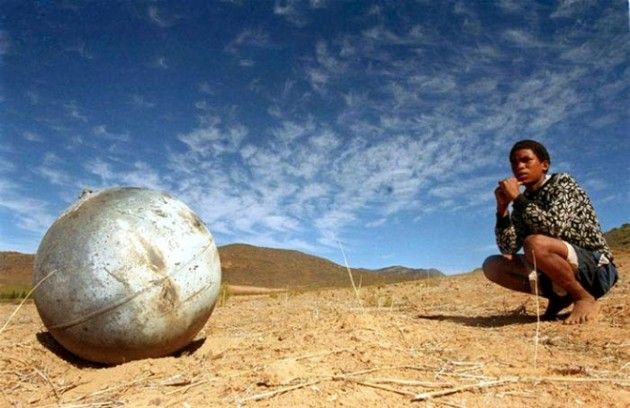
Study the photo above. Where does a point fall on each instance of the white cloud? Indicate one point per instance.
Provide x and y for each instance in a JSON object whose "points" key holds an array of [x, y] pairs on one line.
{"points": [[325, 141], [377, 223], [291, 10], [571, 8], [143, 175], [478, 189], [249, 38], [101, 131], [159, 62], [246, 63], [100, 168], [482, 86], [381, 34], [81, 50], [317, 78], [73, 111], [32, 136], [511, 6], [33, 97], [290, 131], [433, 84], [55, 176], [214, 139], [29, 213], [158, 17], [141, 102], [605, 120], [136, 174], [327, 60], [206, 88], [522, 38]]}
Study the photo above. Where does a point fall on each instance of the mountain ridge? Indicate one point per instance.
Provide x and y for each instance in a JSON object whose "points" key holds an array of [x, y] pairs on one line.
{"points": [[246, 264]]}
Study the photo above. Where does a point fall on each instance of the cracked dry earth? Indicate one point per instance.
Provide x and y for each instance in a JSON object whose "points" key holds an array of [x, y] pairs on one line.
{"points": [[456, 341]]}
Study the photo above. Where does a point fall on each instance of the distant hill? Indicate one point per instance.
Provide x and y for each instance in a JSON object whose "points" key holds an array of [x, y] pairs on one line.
{"points": [[15, 268], [619, 238], [244, 264], [250, 265]]}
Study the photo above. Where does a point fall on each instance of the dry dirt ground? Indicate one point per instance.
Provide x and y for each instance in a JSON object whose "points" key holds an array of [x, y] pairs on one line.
{"points": [[456, 342]]}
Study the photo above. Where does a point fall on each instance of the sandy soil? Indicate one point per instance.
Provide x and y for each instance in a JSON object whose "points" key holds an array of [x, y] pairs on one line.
{"points": [[460, 341]]}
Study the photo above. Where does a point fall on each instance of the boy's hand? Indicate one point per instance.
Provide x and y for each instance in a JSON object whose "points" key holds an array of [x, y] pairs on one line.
{"points": [[510, 188]]}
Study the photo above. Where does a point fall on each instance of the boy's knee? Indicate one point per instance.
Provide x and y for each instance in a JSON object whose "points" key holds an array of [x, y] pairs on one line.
{"points": [[535, 243], [491, 266]]}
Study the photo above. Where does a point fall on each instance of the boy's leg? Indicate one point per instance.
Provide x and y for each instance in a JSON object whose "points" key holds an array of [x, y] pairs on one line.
{"points": [[509, 271], [551, 257], [512, 272]]}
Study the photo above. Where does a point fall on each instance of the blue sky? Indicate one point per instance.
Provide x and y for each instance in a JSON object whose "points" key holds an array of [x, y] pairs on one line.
{"points": [[297, 124]]}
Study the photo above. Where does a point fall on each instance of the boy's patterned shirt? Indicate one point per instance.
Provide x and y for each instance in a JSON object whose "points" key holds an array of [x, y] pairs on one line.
{"points": [[559, 209]]}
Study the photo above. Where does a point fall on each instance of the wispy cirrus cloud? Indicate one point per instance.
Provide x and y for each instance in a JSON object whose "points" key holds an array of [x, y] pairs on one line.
{"points": [[522, 38], [33, 97], [28, 213], [101, 131], [205, 88], [159, 17], [292, 10], [569, 8], [305, 176], [141, 102], [250, 38], [32, 136], [80, 49], [100, 168], [160, 62], [510, 6], [74, 111], [214, 138]]}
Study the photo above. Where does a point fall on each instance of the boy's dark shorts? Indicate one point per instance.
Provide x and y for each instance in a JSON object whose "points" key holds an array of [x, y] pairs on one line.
{"points": [[597, 280]]}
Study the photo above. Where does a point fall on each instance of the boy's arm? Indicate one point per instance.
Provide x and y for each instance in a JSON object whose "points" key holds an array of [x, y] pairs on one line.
{"points": [[506, 233], [508, 238]]}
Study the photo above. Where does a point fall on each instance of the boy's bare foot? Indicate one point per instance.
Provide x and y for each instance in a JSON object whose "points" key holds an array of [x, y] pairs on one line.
{"points": [[556, 304], [584, 310]]}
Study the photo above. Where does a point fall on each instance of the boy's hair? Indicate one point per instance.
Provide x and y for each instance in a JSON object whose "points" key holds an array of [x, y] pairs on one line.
{"points": [[539, 150]]}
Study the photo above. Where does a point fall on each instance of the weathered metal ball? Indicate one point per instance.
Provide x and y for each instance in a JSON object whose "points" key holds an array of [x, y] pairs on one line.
{"points": [[126, 273]]}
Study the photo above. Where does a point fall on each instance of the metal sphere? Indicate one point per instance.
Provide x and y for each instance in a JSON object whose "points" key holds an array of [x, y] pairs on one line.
{"points": [[126, 273]]}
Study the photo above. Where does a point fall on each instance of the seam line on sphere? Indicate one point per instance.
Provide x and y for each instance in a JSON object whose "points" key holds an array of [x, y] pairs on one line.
{"points": [[126, 299]]}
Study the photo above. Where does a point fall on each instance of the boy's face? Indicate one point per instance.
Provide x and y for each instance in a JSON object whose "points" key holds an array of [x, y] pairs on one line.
{"points": [[527, 167]]}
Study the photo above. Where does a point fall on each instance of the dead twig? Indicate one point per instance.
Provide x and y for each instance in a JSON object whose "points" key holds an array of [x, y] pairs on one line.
{"points": [[378, 386], [279, 391], [428, 384], [185, 389], [45, 377], [621, 381], [28, 295], [345, 260], [110, 389], [283, 390], [173, 381], [483, 384], [533, 281]]}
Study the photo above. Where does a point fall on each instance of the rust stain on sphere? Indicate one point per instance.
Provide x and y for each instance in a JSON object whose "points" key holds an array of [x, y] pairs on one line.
{"points": [[129, 273]]}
